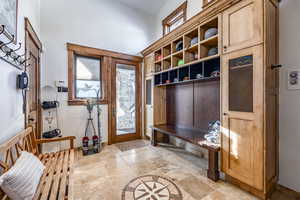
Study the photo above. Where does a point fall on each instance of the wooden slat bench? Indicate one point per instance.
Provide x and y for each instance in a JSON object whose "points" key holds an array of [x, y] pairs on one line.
{"points": [[56, 183]]}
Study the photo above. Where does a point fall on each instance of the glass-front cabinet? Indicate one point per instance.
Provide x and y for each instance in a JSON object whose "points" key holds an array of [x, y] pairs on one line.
{"points": [[242, 129]]}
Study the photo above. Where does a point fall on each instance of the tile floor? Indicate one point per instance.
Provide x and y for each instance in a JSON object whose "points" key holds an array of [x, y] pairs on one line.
{"points": [[104, 176]]}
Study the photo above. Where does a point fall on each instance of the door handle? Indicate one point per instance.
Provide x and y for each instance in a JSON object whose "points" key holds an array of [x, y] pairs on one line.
{"points": [[225, 114]]}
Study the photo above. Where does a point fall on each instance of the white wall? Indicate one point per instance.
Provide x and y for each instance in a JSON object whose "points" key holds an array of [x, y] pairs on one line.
{"points": [[12, 118], [193, 7], [289, 142], [101, 24]]}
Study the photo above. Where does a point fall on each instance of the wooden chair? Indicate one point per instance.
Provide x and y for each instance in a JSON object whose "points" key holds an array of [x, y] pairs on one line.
{"points": [[57, 180]]}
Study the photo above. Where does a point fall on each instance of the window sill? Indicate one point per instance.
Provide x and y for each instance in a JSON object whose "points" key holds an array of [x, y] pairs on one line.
{"points": [[77, 102]]}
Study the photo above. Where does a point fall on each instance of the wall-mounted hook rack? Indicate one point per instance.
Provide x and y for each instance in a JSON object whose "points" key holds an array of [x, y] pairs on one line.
{"points": [[11, 41], [10, 54]]}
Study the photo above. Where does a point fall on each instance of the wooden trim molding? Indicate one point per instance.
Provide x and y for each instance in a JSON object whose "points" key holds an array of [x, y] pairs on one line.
{"points": [[87, 51], [33, 35], [209, 12], [288, 191], [206, 3]]}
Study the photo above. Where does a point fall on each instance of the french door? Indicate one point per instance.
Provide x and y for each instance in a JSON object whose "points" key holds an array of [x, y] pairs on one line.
{"points": [[126, 101]]}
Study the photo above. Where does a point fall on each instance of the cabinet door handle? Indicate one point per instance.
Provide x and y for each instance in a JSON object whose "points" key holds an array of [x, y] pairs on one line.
{"points": [[225, 114], [225, 48], [31, 119], [275, 66]]}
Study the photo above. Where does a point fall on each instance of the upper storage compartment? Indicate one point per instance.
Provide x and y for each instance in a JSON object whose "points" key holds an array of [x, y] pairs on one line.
{"points": [[242, 25]]}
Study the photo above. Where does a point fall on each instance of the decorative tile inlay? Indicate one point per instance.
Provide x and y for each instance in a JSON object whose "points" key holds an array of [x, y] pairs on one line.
{"points": [[151, 187]]}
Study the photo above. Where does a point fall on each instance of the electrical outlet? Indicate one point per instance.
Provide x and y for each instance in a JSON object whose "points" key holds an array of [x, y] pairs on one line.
{"points": [[294, 79]]}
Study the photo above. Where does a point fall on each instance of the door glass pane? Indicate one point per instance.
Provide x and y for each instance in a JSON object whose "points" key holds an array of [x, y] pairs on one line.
{"points": [[87, 76], [241, 84], [149, 92], [125, 94]]}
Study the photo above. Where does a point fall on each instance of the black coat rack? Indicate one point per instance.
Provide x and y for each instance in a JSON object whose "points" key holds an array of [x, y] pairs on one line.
{"points": [[10, 55]]}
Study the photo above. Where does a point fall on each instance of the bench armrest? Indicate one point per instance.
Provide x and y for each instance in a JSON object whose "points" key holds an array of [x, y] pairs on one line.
{"points": [[70, 138]]}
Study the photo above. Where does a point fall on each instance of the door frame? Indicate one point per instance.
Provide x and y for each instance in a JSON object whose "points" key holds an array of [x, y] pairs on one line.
{"points": [[30, 33], [112, 138]]}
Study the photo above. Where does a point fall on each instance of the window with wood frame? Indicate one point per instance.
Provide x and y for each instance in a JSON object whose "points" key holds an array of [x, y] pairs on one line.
{"points": [[175, 19], [87, 74]]}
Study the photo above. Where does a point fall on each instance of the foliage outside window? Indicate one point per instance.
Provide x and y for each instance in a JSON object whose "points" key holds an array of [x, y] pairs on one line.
{"points": [[175, 19]]}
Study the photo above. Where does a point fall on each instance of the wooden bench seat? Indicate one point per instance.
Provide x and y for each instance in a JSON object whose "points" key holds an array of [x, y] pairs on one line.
{"points": [[195, 137], [56, 182]]}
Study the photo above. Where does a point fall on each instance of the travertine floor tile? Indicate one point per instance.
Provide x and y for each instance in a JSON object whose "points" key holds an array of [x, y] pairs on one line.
{"points": [[103, 176]]}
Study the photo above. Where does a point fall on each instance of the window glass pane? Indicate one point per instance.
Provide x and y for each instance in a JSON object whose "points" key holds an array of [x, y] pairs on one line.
{"points": [[241, 84], [125, 98], [87, 77], [176, 24]]}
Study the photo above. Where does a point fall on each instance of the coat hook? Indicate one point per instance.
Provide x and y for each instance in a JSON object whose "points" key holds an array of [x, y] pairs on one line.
{"points": [[11, 41], [17, 49], [13, 50], [18, 57], [3, 29], [26, 60]]}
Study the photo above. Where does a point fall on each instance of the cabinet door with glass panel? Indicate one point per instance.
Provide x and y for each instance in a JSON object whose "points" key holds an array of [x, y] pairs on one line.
{"points": [[242, 121]]}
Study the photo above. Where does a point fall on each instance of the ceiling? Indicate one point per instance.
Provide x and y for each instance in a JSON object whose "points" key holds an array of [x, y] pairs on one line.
{"points": [[148, 6]]}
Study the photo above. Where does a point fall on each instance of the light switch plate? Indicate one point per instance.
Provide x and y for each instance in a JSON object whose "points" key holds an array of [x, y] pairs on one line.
{"points": [[293, 79], [60, 84]]}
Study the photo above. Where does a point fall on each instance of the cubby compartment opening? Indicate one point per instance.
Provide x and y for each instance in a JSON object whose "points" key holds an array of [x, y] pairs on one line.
{"points": [[167, 51], [191, 39], [167, 63], [209, 50], [205, 27], [178, 59], [191, 54], [158, 67], [174, 76], [184, 74], [158, 55], [177, 45], [157, 79], [212, 68], [165, 77], [196, 71]]}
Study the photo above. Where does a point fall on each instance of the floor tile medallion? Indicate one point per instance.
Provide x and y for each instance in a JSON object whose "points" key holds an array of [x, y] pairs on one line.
{"points": [[151, 187]]}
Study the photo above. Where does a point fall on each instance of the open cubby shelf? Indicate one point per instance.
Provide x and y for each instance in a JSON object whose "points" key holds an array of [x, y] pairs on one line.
{"points": [[195, 48], [200, 71]]}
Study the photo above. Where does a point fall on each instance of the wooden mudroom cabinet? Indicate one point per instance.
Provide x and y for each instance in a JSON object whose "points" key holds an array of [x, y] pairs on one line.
{"points": [[149, 65], [243, 25], [242, 120], [245, 96]]}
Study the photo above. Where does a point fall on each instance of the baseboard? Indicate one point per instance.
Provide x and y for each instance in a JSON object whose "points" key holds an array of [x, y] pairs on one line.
{"points": [[288, 191]]}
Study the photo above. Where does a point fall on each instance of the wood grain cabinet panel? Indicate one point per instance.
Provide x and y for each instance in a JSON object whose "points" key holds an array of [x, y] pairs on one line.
{"points": [[149, 65], [242, 25], [242, 131]]}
